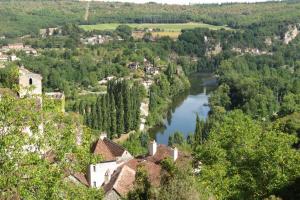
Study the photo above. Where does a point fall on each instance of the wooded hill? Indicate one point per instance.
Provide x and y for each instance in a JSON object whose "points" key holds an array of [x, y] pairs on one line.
{"points": [[19, 18]]}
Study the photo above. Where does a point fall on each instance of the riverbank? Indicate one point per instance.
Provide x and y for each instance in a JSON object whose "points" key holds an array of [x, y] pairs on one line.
{"points": [[161, 97], [181, 113]]}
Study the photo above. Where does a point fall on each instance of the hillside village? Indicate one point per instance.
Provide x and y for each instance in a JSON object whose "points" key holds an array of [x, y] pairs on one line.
{"points": [[125, 101], [116, 173]]}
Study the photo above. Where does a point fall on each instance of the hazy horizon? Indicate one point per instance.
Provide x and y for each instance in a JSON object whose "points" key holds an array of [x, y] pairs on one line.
{"points": [[184, 2]]}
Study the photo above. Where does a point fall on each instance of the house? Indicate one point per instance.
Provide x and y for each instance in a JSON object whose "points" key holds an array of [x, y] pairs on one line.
{"points": [[50, 31], [13, 57], [19, 47], [120, 184], [110, 150], [122, 180], [113, 156], [96, 39], [116, 174], [150, 69], [16, 46], [133, 65]]}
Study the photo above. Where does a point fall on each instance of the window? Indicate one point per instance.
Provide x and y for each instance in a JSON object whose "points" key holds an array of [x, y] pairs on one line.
{"points": [[94, 167], [95, 184], [30, 81]]}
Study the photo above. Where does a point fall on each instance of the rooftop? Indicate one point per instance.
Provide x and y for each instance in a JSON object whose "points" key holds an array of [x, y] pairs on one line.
{"points": [[122, 181], [108, 149]]}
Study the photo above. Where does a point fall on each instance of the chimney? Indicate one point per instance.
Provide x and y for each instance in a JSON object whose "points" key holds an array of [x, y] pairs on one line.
{"points": [[152, 147], [175, 154], [107, 176], [103, 135]]}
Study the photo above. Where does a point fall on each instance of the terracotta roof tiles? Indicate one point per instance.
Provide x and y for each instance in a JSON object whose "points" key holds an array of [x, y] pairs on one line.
{"points": [[122, 181], [162, 152], [108, 149]]}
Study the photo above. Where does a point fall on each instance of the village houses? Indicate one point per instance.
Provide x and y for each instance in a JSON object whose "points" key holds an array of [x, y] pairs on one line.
{"points": [[50, 31], [18, 47], [96, 39], [116, 173]]}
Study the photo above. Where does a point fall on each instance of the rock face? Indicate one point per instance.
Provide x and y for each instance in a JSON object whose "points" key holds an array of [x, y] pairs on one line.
{"points": [[290, 34]]}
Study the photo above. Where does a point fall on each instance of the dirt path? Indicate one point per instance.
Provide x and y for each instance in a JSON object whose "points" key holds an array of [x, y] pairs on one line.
{"points": [[86, 16], [123, 138]]}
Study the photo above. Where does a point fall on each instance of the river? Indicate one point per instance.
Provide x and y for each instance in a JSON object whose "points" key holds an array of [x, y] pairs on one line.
{"points": [[182, 113]]}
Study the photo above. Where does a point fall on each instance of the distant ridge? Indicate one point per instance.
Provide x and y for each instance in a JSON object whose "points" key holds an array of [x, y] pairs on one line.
{"points": [[183, 2]]}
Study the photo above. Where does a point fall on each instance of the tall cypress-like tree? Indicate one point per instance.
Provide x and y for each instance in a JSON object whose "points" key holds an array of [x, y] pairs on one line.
{"points": [[198, 138], [113, 121], [86, 114], [127, 107], [120, 118], [94, 116], [82, 108], [108, 113], [116, 112], [99, 112]]}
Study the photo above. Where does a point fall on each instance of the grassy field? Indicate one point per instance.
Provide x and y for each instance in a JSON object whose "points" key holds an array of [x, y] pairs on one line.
{"points": [[163, 27], [22, 17]]}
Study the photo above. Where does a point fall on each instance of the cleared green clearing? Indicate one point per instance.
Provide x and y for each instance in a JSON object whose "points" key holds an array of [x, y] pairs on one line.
{"points": [[164, 27]]}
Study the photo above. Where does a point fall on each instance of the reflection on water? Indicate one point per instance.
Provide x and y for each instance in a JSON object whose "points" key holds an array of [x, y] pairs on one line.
{"points": [[182, 113]]}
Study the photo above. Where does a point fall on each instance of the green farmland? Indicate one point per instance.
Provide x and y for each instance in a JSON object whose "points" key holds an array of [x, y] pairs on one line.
{"points": [[164, 27]]}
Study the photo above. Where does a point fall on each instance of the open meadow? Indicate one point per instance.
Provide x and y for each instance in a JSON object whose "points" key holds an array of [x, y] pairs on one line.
{"points": [[173, 27], [172, 30]]}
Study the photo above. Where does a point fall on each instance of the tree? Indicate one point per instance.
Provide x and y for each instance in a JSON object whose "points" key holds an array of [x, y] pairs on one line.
{"points": [[142, 188], [290, 104], [220, 97], [113, 120], [124, 31], [199, 136], [120, 116], [242, 160], [25, 171], [176, 138]]}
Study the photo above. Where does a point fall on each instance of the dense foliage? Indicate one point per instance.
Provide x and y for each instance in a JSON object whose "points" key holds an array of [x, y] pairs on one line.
{"points": [[28, 16], [116, 112], [24, 171], [242, 159], [167, 86]]}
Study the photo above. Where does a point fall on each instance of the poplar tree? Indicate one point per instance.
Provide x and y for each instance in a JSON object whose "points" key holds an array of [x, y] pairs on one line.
{"points": [[120, 118], [94, 116], [99, 112], [127, 107], [113, 120], [199, 131]]}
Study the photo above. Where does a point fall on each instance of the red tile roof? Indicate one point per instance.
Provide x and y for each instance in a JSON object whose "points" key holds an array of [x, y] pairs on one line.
{"points": [[122, 181], [81, 178], [162, 152], [108, 149], [153, 169]]}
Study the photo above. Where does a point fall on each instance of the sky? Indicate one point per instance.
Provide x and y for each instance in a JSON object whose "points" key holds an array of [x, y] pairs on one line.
{"points": [[188, 1]]}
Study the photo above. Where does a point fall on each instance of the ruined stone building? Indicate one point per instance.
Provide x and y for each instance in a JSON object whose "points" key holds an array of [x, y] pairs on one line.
{"points": [[30, 84]]}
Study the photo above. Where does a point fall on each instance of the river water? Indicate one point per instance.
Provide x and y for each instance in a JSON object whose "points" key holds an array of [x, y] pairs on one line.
{"points": [[182, 113]]}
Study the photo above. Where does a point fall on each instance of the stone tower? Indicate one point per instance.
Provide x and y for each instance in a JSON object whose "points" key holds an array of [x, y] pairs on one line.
{"points": [[30, 83]]}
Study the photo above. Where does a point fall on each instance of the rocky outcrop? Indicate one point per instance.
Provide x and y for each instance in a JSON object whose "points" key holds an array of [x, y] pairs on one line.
{"points": [[291, 34]]}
